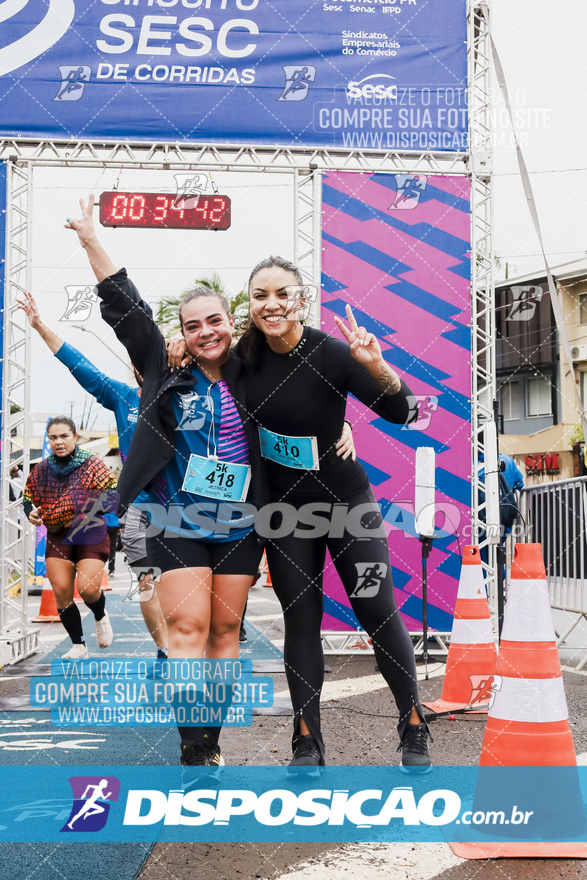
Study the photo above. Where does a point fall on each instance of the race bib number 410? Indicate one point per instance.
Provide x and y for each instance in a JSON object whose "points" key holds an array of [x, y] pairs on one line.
{"points": [[222, 480], [293, 452]]}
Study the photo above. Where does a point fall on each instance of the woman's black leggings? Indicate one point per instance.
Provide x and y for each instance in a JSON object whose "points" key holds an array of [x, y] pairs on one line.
{"points": [[363, 565]]}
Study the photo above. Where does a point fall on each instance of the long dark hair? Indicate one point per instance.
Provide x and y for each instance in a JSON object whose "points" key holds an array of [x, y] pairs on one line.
{"points": [[252, 339]]}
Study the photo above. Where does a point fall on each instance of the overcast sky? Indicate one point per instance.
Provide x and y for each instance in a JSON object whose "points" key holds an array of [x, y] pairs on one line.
{"points": [[542, 49]]}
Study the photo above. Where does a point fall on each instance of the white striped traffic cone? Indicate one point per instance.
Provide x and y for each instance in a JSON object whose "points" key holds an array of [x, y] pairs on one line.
{"points": [[528, 723], [470, 665]]}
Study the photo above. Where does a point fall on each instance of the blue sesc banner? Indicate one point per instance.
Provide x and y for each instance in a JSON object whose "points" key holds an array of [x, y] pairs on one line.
{"points": [[387, 74]]}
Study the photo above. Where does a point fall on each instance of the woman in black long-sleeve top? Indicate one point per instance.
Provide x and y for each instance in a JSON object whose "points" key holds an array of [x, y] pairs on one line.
{"points": [[297, 380]]}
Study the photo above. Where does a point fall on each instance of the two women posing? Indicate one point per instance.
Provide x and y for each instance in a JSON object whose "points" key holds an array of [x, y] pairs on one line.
{"points": [[227, 410]]}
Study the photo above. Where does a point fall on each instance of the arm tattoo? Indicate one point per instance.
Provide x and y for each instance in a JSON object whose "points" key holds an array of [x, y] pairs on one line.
{"points": [[388, 381]]}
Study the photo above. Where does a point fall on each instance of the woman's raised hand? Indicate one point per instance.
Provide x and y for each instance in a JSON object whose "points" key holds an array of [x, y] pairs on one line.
{"points": [[30, 308], [84, 227], [364, 346]]}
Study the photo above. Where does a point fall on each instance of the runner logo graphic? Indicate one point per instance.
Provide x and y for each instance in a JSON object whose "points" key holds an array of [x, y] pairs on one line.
{"points": [[188, 189], [92, 797], [525, 301], [299, 300], [483, 690], [369, 577], [297, 82], [424, 406], [79, 303], [142, 583], [194, 408], [409, 189], [73, 81]]}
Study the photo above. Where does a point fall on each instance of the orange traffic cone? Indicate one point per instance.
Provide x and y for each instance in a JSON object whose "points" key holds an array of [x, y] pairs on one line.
{"points": [[528, 723], [265, 569], [105, 586], [471, 656], [76, 595], [48, 611]]}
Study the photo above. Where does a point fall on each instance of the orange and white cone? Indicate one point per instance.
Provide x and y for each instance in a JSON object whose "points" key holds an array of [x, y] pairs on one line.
{"points": [[265, 569], [470, 665], [105, 586], [528, 723], [48, 611]]}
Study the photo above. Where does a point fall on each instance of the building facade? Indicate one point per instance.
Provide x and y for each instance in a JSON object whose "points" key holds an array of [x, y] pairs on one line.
{"points": [[538, 416]]}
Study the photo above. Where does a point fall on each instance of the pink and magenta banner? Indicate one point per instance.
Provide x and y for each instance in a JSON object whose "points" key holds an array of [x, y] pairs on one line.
{"points": [[397, 248]]}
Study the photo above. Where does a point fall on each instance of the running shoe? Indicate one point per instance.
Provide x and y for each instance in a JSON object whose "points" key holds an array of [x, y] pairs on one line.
{"points": [[242, 636], [201, 762], [307, 759], [414, 748], [104, 631], [162, 654], [76, 652]]}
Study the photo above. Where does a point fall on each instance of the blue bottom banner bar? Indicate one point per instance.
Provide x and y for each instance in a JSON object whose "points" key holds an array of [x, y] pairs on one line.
{"points": [[332, 804]]}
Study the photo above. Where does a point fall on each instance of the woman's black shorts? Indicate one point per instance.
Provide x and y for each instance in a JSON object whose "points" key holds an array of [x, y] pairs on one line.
{"points": [[228, 557]]}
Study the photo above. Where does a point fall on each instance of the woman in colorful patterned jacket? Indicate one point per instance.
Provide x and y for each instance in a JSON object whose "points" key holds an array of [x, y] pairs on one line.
{"points": [[67, 492]]}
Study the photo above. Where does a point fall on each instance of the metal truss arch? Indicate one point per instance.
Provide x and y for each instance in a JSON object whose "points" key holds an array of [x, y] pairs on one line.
{"points": [[307, 167]]}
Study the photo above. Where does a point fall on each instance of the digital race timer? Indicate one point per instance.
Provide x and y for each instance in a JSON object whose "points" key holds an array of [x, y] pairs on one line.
{"points": [[147, 210]]}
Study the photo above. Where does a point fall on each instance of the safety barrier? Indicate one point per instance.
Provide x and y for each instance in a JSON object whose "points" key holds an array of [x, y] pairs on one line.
{"points": [[556, 517]]}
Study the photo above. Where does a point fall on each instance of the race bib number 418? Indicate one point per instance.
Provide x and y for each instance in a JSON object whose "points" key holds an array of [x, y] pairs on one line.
{"points": [[222, 480]]}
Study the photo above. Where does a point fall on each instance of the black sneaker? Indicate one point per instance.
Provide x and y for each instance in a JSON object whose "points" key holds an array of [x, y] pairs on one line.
{"points": [[242, 636], [307, 759], [414, 749], [201, 762]]}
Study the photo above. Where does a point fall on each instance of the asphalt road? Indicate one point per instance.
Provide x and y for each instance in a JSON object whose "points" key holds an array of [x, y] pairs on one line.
{"points": [[359, 724]]}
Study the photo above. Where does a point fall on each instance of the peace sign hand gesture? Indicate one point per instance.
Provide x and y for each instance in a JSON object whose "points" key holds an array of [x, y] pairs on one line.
{"points": [[364, 346], [100, 262], [84, 227]]}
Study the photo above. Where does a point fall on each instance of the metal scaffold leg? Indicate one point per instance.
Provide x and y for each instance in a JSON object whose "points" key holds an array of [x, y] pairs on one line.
{"points": [[17, 639]]}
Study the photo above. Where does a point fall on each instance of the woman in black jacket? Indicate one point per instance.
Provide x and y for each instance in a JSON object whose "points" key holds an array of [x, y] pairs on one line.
{"points": [[297, 380], [190, 451], [195, 450]]}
